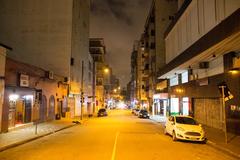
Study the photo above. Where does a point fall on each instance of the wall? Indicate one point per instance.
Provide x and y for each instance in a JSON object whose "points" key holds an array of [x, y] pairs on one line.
{"points": [[37, 80], [163, 9], [39, 32], [197, 20], [2, 75], [80, 41]]}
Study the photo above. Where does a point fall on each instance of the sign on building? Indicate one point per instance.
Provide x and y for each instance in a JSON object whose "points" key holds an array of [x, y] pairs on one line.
{"points": [[24, 80]]}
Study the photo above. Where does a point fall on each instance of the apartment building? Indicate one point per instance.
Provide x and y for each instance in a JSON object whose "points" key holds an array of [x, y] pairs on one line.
{"points": [[98, 50], [202, 55], [52, 35], [160, 15]]}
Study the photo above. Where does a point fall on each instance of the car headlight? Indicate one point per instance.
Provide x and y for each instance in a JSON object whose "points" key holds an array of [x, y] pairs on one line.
{"points": [[180, 129]]}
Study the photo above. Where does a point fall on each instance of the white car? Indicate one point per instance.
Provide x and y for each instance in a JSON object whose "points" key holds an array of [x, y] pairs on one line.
{"points": [[184, 128]]}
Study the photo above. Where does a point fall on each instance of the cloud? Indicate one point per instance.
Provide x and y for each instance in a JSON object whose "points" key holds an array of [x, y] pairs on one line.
{"points": [[119, 22]]}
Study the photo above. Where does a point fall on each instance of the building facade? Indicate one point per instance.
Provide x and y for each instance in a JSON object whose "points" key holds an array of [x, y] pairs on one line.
{"points": [[98, 50], [2, 79], [52, 35], [151, 55], [202, 54], [32, 95]]}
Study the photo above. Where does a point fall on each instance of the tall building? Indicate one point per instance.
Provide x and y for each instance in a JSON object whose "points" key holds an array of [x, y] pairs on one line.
{"points": [[52, 35], [133, 90], [98, 50], [153, 45], [202, 62]]}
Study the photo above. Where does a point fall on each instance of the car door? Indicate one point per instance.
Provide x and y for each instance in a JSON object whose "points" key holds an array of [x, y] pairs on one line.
{"points": [[168, 125], [171, 125]]}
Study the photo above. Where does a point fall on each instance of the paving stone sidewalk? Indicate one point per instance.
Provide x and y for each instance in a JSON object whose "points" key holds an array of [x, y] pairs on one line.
{"points": [[26, 134]]}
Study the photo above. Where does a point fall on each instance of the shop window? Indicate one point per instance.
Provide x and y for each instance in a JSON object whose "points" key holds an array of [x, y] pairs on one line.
{"points": [[51, 110], [174, 106], [185, 109]]}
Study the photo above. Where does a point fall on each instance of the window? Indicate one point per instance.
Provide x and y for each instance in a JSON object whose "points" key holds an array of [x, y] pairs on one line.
{"points": [[72, 61], [152, 32], [89, 66], [174, 81], [152, 46], [89, 76], [152, 19], [184, 77]]}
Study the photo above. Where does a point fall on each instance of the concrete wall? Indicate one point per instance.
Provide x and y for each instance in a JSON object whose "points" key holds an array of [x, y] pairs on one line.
{"points": [[197, 20], [163, 9], [2, 74], [80, 41], [39, 31]]}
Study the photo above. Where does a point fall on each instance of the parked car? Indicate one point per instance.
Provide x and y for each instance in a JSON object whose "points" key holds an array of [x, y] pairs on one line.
{"points": [[102, 112], [133, 110], [184, 128], [136, 111], [143, 114]]}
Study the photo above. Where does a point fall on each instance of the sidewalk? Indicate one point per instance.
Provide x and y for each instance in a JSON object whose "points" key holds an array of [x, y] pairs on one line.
{"points": [[216, 139], [27, 134]]}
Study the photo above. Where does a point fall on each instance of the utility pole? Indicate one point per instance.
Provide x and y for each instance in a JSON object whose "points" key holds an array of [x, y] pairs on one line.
{"points": [[82, 94], [224, 113]]}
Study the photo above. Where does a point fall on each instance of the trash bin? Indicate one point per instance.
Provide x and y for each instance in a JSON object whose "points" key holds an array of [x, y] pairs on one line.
{"points": [[58, 117]]}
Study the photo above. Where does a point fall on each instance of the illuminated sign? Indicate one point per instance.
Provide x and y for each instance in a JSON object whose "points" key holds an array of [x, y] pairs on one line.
{"points": [[161, 85], [24, 80]]}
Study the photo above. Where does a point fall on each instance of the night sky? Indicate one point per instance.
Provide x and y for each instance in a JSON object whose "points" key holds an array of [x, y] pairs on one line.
{"points": [[119, 22]]}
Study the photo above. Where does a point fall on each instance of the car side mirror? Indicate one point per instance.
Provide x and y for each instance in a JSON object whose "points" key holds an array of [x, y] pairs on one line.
{"points": [[172, 123]]}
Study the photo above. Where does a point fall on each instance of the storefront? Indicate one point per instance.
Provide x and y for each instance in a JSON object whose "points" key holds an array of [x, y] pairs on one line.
{"points": [[160, 104], [179, 105], [20, 103]]}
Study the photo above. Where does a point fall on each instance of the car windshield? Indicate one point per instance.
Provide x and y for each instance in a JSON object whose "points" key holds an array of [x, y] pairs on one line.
{"points": [[186, 120], [102, 110], [143, 111]]}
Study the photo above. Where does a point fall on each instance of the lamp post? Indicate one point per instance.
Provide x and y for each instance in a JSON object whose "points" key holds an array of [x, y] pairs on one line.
{"points": [[224, 113], [82, 94]]}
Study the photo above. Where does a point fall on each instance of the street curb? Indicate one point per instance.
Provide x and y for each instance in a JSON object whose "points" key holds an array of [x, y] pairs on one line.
{"points": [[34, 138], [214, 145], [225, 150]]}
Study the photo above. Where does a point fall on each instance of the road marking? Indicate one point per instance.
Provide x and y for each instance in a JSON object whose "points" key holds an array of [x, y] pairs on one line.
{"points": [[114, 147]]}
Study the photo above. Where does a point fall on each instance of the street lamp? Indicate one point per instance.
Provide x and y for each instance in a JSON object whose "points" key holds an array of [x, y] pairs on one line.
{"points": [[106, 70]]}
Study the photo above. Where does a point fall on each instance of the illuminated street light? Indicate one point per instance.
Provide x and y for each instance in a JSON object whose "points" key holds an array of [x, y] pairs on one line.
{"points": [[106, 70], [234, 71], [119, 88], [115, 90]]}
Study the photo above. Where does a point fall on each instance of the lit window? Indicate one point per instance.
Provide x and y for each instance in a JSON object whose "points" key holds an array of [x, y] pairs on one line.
{"points": [[174, 81], [184, 77]]}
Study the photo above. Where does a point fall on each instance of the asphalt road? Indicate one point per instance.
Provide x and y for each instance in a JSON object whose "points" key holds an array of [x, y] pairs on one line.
{"points": [[120, 136]]}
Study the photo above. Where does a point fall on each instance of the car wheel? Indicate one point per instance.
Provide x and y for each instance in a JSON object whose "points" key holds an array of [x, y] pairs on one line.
{"points": [[204, 141], [174, 136]]}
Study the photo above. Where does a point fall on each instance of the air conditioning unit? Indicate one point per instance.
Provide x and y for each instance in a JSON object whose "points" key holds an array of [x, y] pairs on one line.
{"points": [[204, 65], [65, 79], [49, 74]]}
